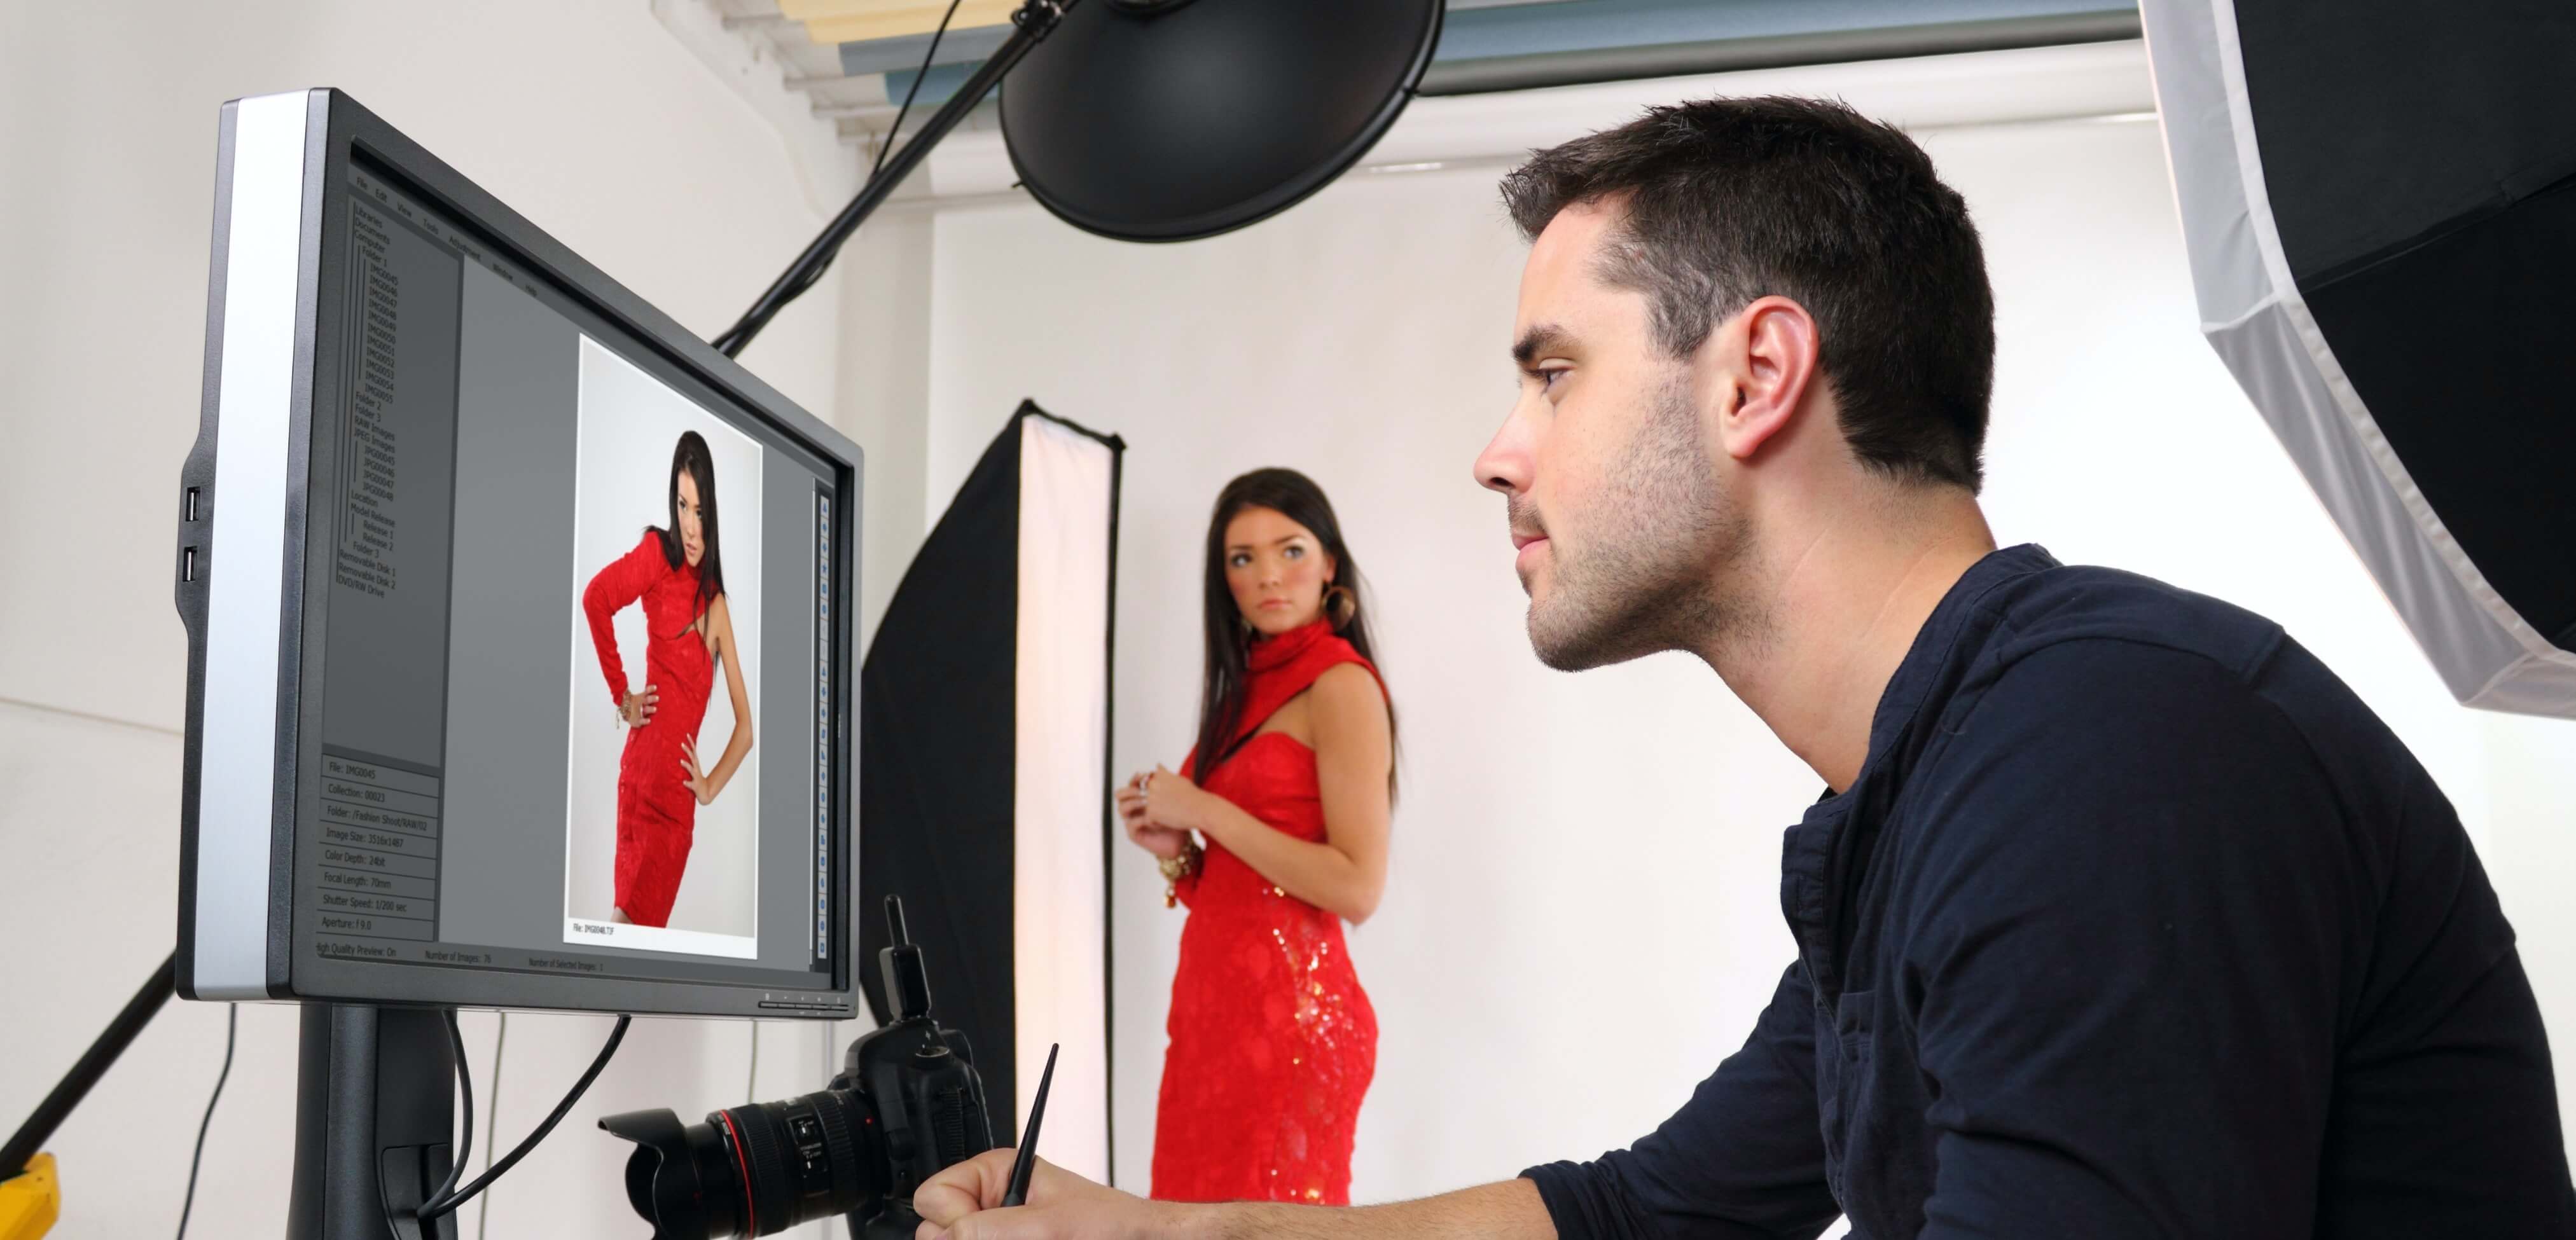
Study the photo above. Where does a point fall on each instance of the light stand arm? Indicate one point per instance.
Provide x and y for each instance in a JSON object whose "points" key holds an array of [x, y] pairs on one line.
{"points": [[1029, 26], [93, 1064]]}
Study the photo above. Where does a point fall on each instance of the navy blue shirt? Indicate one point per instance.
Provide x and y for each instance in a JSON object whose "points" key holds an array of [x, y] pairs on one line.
{"points": [[2136, 922]]}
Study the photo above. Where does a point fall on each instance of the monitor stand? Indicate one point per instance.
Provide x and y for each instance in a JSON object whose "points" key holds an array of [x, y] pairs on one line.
{"points": [[375, 1113]]}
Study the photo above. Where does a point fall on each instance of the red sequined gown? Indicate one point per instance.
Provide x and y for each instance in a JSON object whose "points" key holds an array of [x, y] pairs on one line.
{"points": [[1272, 1040], [656, 813]]}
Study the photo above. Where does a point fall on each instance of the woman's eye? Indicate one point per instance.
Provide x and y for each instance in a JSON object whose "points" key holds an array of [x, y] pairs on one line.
{"points": [[1296, 553], [1237, 560]]}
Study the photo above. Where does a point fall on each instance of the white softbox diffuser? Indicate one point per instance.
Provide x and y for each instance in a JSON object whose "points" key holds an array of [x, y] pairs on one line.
{"points": [[984, 773]]}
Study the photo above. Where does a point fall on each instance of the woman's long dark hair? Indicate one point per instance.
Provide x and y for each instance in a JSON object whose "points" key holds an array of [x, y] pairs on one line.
{"points": [[693, 458], [1229, 640]]}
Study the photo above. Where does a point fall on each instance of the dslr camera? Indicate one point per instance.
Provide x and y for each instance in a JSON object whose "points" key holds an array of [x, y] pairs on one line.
{"points": [[906, 1103]]}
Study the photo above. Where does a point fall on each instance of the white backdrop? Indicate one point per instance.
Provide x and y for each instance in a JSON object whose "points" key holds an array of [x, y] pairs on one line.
{"points": [[630, 423], [1582, 917]]}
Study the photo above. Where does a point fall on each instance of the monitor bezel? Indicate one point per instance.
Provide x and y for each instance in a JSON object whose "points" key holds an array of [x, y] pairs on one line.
{"points": [[337, 130]]}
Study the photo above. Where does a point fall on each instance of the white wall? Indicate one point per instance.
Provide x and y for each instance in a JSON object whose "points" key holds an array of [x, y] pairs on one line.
{"points": [[587, 117], [1583, 913]]}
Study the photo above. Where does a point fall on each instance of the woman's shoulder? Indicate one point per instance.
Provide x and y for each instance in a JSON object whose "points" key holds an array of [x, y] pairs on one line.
{"points": [[1343, 671]]}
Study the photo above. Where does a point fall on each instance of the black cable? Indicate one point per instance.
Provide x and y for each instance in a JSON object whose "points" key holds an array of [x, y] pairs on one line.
{"points": [[464, 1086], [927, 59], [734, 337], [187, 1204], [443, 1202], [893, 131]]}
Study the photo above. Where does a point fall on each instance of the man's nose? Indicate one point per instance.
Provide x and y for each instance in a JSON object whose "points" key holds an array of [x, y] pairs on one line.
{"points": [[1504, 465]]}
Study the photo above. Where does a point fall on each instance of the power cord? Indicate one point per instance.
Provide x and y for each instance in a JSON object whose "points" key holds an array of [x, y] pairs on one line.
{"points": [[751, 1082], [447, 1196], [491, 1124], [188, 1204], [928, 58]]}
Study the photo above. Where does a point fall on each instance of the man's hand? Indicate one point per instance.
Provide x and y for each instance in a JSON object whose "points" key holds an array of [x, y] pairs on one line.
{"points": [[962, 1203]]}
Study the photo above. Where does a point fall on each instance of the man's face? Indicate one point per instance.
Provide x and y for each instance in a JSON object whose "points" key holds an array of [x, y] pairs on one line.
{"points": [[1613, 499]]}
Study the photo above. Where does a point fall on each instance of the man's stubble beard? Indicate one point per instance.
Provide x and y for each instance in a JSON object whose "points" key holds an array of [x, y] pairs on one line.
{"points": [[1661, 536]]}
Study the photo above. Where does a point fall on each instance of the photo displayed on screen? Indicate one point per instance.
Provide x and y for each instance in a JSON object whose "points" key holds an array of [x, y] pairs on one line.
{"points": [[662, 817], [579, 647]]}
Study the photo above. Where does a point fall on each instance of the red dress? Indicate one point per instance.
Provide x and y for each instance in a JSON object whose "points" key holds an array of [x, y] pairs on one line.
{"points": [[656, 813], [1273, 1041]]}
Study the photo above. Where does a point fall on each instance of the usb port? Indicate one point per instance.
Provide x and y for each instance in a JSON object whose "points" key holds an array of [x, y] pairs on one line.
{"points": [[192, 503], [188, 558]]}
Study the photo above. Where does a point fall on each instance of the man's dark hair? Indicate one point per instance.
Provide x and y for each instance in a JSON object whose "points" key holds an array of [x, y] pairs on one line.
{"points": [[1728, 200]]}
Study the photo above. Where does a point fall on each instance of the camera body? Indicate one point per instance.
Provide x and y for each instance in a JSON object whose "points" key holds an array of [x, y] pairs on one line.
{"points": [[929, 1098], [906, 1104]]}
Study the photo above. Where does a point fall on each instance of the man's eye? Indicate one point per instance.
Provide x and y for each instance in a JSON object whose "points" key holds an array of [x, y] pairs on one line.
{"points": [[1547, 379]]}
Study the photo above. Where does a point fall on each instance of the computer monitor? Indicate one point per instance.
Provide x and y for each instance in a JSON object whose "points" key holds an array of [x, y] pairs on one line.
{"points": [[455, 495]]}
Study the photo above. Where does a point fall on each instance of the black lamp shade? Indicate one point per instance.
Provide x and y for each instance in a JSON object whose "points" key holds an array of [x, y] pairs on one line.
{"points": [[1196, 119]]}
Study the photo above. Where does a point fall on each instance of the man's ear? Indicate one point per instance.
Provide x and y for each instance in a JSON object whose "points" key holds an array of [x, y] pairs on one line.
{"points": [[1770, 360]]}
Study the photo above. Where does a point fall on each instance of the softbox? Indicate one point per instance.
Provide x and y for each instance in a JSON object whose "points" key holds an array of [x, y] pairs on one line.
{"points": [[984, 773], [2379, 200]]}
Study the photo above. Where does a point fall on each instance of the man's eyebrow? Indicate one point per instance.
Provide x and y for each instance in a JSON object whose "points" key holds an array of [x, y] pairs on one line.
{"points": [[1540, 338]]}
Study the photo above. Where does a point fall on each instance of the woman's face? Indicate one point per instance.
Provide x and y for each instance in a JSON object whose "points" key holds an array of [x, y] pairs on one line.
{"points": [[693, 528], [1277, 570]]}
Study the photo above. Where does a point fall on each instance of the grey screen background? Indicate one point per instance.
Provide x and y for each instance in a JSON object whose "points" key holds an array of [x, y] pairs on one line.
{"points": [[494, 727]]}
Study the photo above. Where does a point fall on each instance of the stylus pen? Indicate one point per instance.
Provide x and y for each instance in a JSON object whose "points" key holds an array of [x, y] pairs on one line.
{"points": [[1018, 1193]]}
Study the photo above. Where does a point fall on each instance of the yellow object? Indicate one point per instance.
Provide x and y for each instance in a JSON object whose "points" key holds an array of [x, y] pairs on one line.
{"points": [[30, 1203], [831, 22]]}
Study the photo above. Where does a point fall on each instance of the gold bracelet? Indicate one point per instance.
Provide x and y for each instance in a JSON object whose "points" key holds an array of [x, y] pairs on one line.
{"points": [[1177, 868]]}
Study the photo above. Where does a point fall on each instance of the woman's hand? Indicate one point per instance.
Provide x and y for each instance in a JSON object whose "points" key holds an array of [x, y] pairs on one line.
{"points": [[698, 784], [1171, 802], [1164, 842], [637, 709]]}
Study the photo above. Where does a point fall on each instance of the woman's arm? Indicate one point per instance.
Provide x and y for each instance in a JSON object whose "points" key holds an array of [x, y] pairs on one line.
{"points": [[1354, 749], [709, 783], [621, 583]]}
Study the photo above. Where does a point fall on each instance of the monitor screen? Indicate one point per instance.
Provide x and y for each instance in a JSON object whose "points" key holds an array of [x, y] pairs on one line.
{"points": [[566, 723]]}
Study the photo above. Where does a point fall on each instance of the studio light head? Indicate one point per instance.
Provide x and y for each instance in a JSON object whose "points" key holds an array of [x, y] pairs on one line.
{"points": [[1164, 120]]}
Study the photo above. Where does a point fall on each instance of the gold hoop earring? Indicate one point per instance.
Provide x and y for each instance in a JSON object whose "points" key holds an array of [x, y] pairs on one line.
{"points": [[1343, 605]]}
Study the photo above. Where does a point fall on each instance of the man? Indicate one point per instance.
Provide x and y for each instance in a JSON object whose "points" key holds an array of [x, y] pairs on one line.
{"points": [[2121, 916]]}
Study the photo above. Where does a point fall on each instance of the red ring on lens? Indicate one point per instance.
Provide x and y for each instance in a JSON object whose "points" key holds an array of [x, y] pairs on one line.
{"points": [[750, 1212]]}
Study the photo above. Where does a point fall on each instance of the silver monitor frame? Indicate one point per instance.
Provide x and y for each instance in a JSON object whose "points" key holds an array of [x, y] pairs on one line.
{"points": [[254, 624]]}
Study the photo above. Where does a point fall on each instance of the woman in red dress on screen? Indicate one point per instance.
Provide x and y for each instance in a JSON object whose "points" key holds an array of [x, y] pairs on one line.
{"points": [[678, 575], [1291, 784]]}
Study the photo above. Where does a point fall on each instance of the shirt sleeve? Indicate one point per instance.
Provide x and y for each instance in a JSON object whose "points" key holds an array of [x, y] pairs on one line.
{"points": [[1744, 1159], [617, 585], [2127, 942]]}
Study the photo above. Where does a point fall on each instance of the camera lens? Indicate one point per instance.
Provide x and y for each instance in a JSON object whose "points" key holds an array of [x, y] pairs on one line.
{"points": [[753, 1170]]}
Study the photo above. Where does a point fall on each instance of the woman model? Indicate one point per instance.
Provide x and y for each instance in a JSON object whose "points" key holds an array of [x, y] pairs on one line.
{"points": [[678, 575], [1291, 783]]}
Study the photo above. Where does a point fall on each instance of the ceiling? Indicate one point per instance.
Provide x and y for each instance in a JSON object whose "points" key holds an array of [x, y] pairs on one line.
{"points": [[855, 59]]}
